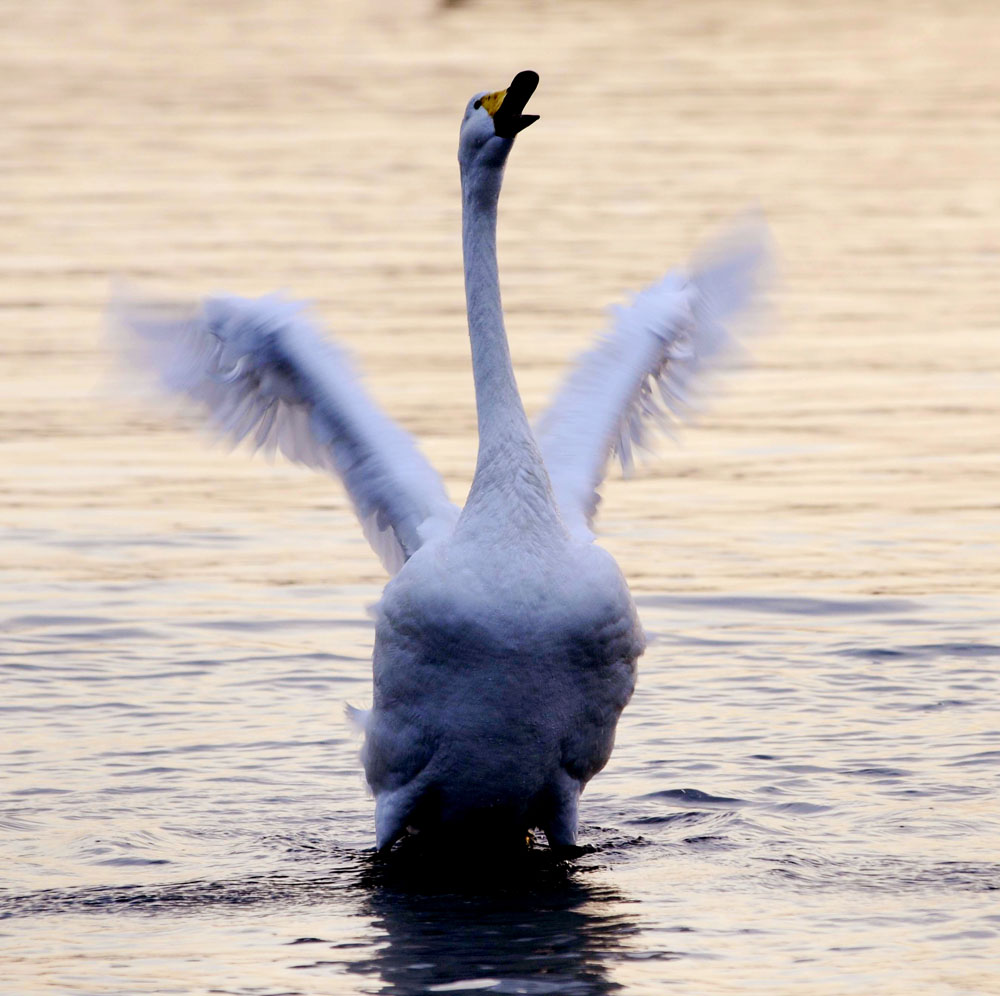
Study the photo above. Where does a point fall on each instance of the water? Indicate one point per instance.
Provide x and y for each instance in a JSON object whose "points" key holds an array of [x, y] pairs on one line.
{"points": [[803, 799], [804, 794]]}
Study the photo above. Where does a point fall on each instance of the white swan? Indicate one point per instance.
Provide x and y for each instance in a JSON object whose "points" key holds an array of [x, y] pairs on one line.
{"points": [[506, 644]]}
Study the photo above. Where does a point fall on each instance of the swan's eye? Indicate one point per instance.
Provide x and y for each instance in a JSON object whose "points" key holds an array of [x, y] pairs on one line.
{"points": [[477, 105]]}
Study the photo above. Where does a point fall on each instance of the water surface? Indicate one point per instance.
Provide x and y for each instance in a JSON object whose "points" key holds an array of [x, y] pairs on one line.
{"points": [[804, 794]]}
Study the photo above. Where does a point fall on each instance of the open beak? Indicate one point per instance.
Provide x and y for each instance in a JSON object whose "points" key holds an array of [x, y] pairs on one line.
{"points": [[507, 117]]}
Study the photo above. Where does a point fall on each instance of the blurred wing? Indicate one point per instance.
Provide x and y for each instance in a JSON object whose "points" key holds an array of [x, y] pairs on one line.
{"points": [[262, 371], [643, 373]]}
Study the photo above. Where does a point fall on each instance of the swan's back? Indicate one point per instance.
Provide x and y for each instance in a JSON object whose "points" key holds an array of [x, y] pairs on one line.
{"points": [[499, 677]]}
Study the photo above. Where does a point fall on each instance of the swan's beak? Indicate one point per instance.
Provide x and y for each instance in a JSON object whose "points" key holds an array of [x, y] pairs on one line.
{"points": [[505, 106]]}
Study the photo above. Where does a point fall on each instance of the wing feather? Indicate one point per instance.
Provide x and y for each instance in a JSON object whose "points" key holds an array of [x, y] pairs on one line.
{"points": [[263, 372], [643, 375]]}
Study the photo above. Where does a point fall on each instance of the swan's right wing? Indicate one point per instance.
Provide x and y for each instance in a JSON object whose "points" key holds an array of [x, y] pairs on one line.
{"points": [[262, 371], [642, 374]]}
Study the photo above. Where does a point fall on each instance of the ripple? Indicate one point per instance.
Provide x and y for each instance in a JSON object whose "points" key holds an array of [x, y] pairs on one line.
{"points": [[784, 605], [193, 897], [886, 874], [687, 796]]}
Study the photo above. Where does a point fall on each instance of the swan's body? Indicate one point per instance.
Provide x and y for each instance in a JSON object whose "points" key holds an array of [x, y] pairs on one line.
{"points": [[506, 644]]}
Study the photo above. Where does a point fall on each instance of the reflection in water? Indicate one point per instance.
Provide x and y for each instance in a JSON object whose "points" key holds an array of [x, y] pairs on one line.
{"points": [[531, 925]]}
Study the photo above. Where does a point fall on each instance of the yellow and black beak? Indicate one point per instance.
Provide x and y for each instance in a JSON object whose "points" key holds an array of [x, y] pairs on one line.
{"points": [[505, 106]]}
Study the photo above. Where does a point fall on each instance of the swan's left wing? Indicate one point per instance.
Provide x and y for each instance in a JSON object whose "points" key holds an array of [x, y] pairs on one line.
{"points": [[641, 374], [263, 372]]}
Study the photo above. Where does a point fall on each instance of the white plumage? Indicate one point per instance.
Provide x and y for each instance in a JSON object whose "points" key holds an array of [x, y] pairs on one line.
{"points": [[264, 373], [506, 643], [643, 375]]}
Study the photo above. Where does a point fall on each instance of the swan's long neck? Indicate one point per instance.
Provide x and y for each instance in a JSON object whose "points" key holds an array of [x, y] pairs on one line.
{"points": [[510, 479]]}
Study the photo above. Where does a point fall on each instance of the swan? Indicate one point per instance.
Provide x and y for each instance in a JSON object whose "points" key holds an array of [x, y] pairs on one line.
{"points": [[506, 640]]}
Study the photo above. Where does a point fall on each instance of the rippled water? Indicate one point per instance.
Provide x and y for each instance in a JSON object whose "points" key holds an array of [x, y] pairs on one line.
{"points": [[804, 794]]}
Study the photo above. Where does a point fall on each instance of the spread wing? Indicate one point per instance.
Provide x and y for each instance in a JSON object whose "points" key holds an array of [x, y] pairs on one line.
{"points": [[642, 374], [261, 371]]}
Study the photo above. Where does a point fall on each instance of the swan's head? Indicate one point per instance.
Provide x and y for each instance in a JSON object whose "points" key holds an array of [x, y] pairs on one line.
{"points": [[492, 120]]}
